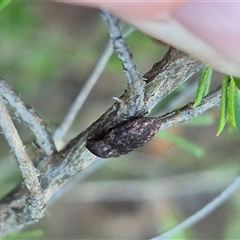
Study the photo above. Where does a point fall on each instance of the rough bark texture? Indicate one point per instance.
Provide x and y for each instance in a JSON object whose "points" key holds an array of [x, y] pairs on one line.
{"points": [[57, 168]]}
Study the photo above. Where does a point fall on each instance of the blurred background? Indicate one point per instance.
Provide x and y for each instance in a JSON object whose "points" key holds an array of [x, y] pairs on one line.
{"points": [[47, 52]]}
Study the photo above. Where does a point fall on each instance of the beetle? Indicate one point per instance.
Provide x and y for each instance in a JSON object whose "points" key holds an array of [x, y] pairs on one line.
{"points": [[125, 138]]}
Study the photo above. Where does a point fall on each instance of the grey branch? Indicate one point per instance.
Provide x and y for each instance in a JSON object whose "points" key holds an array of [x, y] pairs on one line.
{"points": [[84, 92], [57, 168], [27, 114], [135, 81], [29, 173], [186, 113]]}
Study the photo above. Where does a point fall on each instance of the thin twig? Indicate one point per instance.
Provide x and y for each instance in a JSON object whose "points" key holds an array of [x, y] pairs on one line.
{"points": [[205, 211], [28, 115], [74, 157], [84, 92], [56, 169], [52, 170], [135, 80], [29, 172], [186, 113]]}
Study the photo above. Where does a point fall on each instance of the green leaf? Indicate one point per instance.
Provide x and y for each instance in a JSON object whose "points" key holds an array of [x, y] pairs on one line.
{"points": [[203, 84], [4, 3], [189, 146], [237, 82], [223, 105], [231, 112], [237, 110], [207, 86]]}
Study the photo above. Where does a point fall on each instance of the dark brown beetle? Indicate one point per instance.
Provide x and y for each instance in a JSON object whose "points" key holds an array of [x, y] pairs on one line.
{"points": [[125, 138]]}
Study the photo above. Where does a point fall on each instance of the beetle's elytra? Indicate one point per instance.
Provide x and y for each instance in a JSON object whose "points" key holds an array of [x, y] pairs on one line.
{"points": [[125, 138]]}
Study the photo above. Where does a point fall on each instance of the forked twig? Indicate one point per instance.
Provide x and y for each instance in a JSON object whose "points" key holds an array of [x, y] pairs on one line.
{"points": [[84, 92], [58, 167]]}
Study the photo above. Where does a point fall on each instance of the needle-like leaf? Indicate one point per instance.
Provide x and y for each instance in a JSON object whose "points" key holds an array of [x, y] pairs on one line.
{"points": [[203, 84], [4, 3], [223, 105], [237, 110], [231, 112], [237, 82]]}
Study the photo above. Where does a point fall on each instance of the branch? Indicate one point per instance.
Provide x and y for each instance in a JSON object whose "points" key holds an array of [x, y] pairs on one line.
{"points": [[136, 84], [29, 117], [56, 169], [29, 172], [186, 113], [84, 92], [168, 74]]}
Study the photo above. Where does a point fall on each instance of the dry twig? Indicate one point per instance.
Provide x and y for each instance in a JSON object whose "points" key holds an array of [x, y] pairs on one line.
{"points": [[58, 167], [35, 198]]}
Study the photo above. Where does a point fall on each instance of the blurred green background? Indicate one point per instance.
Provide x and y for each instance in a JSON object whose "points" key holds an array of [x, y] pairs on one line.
{"points": [[47, 51]]}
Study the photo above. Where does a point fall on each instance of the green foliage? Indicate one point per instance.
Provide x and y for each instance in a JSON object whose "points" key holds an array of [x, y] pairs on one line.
{"points": [[231, 101], [223, 105], [230, 104], [4, 3], [230, 98], [237, 82], [203, 84], [237, 110]]}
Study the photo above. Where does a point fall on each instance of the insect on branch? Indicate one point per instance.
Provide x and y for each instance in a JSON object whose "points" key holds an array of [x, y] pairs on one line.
{"points": [[126, 115]]}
